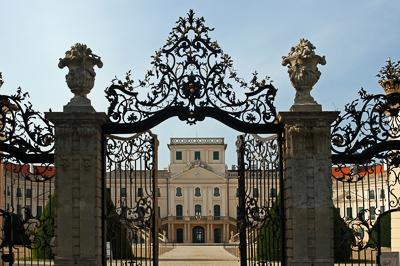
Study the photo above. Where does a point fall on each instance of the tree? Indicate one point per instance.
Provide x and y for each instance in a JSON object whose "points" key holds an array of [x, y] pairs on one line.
{"points": [[117, 232], [45, 232], [269, 238]]}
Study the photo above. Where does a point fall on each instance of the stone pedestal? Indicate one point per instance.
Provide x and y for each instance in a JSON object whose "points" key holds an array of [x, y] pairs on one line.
{"points": [[78, 186], [395, 231], [308, 187]]}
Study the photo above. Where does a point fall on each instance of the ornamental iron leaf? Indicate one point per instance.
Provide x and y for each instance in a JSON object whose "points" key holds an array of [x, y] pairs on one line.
{"points": [[191, 78]]}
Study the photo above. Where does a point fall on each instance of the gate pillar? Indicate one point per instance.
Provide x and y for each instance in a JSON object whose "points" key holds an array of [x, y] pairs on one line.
{"points": [[78, 157], [307, 166]]}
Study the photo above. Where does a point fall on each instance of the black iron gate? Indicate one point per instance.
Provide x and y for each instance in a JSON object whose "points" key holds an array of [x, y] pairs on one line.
{"points": [[131, 230], [193, 79], [26, 183], [261, 216], [365, 175]]}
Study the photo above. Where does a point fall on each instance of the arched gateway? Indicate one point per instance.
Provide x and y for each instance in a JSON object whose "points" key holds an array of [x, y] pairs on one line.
{"points": [[191, 79]]}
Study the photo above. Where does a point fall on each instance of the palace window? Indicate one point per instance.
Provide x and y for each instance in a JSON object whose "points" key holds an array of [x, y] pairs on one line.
{"points": [[217, 212], [8, 191], [382, 195], [140, 192], [197, 156], [122, 192], [178, 155], [39, 211], [216, 155], [272, 193], [28, 193], [349, 212], [179, 192], [197, 192], [255, 192], [216, 192], [158, 192], [197, 209], [19, 192], [371, 194], [372, 212], [179, 212]]}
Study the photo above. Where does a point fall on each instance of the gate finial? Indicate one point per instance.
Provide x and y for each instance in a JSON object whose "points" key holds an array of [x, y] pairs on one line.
{"points": [[389, 76], [80, 79], [303, 73]]}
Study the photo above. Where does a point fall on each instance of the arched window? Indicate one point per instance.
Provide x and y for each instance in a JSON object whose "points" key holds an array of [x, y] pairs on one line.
{"points": [[197, 192], [179, 192], [197, 209], [217, 212], [179, 211], [216, 192]]}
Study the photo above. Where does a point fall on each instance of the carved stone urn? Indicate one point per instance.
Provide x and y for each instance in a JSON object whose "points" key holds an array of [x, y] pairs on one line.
{"points": [[390, 77], [303, 72], [80, 79]]}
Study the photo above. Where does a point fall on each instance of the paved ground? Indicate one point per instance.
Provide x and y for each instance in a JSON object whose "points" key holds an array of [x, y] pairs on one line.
{"points": [[198, 256]]}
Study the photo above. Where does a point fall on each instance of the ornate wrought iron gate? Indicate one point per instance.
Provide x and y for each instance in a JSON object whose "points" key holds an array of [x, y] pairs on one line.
{"points": [[365, 175], [193, 79], [26, 183], [131, 233], [261, 216]]}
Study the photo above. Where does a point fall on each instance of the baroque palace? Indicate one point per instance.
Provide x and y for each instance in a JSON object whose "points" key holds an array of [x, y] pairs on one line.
{"points": [[198, 199]]}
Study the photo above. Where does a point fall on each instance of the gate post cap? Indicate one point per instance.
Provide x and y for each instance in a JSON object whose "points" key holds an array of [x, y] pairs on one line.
{"points": [[80, 79]]}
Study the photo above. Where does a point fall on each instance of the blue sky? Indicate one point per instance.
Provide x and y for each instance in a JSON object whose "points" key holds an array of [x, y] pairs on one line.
{"points": [[355, 36]]}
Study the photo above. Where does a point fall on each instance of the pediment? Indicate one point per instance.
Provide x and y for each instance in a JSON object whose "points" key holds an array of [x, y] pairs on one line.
{"points": [[197, 175]]}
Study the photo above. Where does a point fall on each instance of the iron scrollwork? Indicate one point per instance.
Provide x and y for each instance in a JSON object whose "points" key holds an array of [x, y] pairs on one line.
{"points": [[192, 78], [130, 216], [123, 155], [24, 133], [366, 157], [368, 125], [261, 156], [27, 157]]}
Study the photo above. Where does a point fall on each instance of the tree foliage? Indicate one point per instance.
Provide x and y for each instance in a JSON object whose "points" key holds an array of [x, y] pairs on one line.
{"points": [[45, 232]]}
